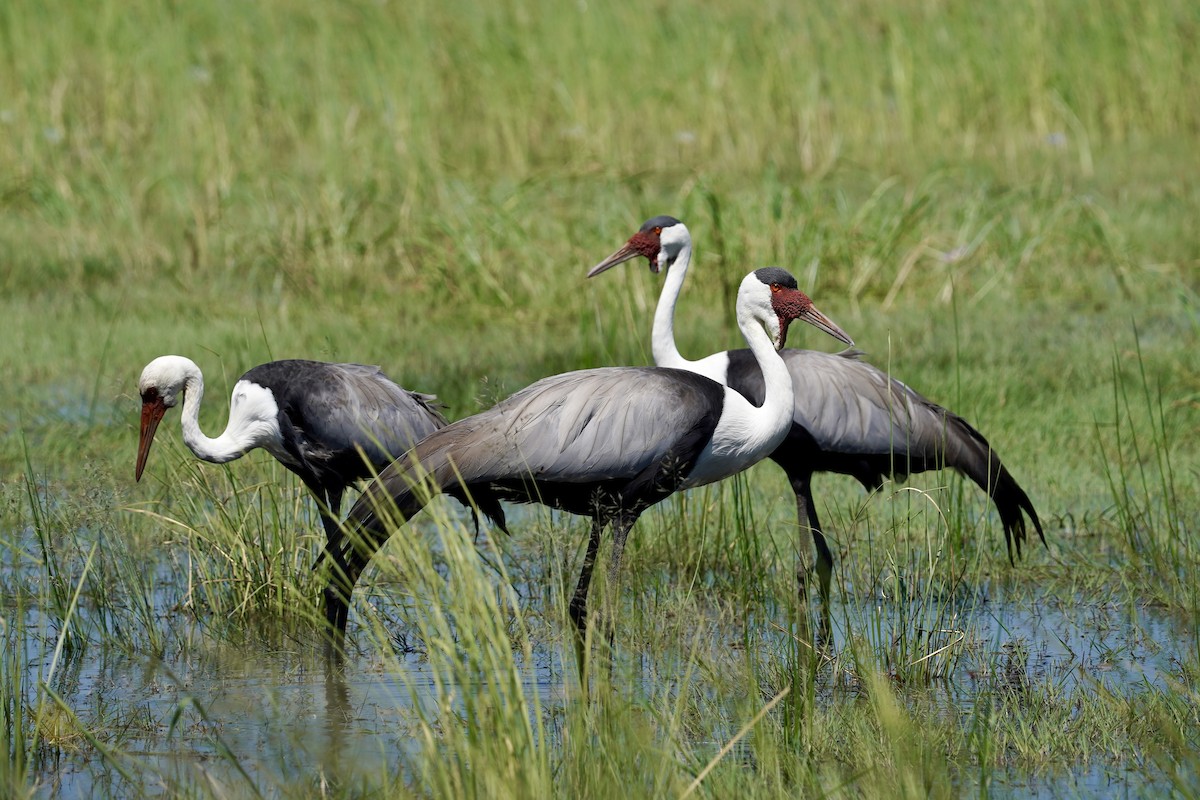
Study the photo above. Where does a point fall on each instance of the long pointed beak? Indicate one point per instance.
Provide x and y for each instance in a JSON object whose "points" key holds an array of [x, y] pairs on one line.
{"points": [[152, 414], [818, 320], [626, 253]]}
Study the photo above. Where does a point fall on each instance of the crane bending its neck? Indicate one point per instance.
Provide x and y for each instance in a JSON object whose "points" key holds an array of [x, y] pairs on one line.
{"points": [[253, 422], [253, 414]]}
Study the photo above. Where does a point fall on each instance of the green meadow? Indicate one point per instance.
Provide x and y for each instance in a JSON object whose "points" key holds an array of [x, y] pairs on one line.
{"points": [[999, 202]]}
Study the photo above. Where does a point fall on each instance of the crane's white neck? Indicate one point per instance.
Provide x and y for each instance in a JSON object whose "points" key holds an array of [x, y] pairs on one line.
{"points": [[253, 421], [662, 339], [774, 416], [662, 342], [746, 434]]}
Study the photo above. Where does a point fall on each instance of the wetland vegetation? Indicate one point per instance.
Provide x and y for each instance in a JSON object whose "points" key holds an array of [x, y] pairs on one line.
{"points": [[997, 202]]}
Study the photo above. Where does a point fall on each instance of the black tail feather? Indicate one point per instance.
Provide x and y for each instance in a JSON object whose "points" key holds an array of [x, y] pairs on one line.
{"points": [[967, 451], [1012, 503]]}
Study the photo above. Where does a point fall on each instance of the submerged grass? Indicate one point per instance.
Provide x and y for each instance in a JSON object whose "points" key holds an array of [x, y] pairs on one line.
{"points": [[996, 202]]}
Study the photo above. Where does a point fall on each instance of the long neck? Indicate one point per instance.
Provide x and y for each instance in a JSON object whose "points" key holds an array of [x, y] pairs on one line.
{"points": [[666, 354], [745, 433], [226, 447], [780, 399]]}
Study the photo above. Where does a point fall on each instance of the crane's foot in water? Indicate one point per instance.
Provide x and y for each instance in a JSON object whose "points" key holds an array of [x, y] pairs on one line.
{"points": [[822, 638], [594, 652]]}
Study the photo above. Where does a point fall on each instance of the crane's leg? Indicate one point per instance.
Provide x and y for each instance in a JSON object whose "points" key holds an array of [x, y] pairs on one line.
{"points": [[329, 504], [621, 528], [806, 512], [336, 594], [578, 607], [340, 590], [337, 607]]}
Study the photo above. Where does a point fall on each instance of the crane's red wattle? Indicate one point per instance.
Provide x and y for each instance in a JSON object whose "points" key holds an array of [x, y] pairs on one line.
{"points": [[646, 243], [789, 304]]}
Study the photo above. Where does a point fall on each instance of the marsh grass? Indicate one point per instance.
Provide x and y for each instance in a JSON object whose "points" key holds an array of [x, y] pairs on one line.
{"points": [[995, 200], [16, 769], [860, 723], [1158, 552]]}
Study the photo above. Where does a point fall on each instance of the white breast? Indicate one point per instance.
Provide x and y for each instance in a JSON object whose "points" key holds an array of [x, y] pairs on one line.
{"points": [[742, 438]]}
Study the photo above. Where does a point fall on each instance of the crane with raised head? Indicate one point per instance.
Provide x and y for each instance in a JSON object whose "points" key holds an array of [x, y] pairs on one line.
{"points": [[603, 443], [849, 417]]}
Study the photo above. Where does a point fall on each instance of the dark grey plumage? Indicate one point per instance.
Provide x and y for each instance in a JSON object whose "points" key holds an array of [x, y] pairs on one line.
{"points": [[661, 221], [342, 423], [328, 412], [852, 418], [603, 443]]}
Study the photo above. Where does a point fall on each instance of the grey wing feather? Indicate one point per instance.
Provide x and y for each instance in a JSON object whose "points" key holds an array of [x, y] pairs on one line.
{"points": [[578, 427], [360, 404], [850, 406]]}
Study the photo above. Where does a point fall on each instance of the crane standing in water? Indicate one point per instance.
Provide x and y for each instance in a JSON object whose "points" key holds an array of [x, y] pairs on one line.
{"points": [[331, 424], [603, 443], [849, 417]]}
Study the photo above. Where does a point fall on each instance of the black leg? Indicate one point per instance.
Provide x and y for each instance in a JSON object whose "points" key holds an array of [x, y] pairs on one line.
{"points": [[621, 528], [336, 595], [337, 610], [329, 504], [806, 512], [578, 607]]}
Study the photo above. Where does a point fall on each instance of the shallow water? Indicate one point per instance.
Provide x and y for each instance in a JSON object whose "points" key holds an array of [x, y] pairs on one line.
{"points": [[280, 715], [1045, 637], [199, 712], [281, 712]]}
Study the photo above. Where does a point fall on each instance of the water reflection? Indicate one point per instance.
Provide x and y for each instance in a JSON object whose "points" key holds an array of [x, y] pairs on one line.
{"points": [[208, 714]]}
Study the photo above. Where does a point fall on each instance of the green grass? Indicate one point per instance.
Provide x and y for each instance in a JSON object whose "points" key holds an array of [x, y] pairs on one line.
{"points": [[998, 203]]}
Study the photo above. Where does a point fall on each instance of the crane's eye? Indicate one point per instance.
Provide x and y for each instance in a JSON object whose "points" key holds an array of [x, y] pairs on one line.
{"points": [[775, 287], [657, 230]]}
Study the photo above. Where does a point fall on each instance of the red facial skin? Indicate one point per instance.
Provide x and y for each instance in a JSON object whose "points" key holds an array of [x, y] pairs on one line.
{"points": [[645, 243], [789, 304]]}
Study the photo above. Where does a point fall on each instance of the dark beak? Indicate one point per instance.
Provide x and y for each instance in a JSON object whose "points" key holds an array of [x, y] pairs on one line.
{"points": [[627, 252], [152, 414], [818, 320]]}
